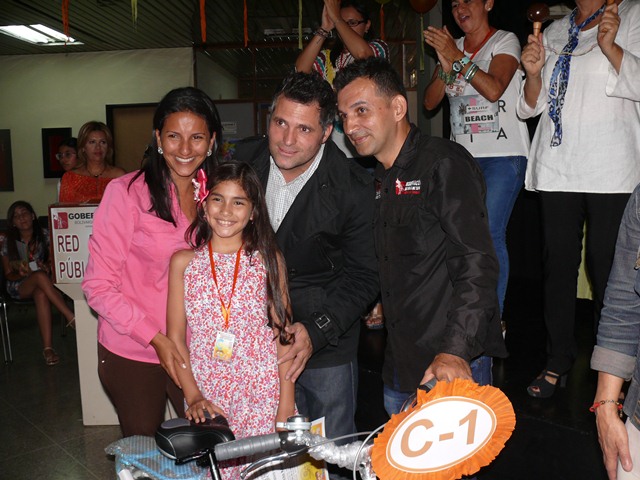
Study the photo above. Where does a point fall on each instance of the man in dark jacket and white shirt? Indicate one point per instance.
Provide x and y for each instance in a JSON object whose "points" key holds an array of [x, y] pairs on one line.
{"points": [[438, 269], [321, 207]]}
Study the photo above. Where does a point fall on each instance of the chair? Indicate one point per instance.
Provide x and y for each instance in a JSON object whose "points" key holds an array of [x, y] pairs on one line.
{"points": [[4, 331], [6, 305], [6, 302]]}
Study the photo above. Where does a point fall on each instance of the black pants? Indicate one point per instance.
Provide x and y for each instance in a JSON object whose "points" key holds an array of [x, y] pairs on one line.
{"points": [[563, 218], [138, 391]]}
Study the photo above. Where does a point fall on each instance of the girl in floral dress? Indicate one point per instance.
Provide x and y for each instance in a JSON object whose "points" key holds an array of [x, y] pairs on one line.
{"points": [[228, 307]]}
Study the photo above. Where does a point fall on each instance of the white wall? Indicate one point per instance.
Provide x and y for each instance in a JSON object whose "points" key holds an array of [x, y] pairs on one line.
{"points": [[67, 90], [218, 83]]}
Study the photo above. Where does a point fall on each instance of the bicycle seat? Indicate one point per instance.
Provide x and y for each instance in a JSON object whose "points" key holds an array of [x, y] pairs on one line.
{"points": [[183, 440]]}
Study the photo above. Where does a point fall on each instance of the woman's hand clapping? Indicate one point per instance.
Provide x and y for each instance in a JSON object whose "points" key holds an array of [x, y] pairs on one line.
{"points": [[329, 13], [444, 44]]}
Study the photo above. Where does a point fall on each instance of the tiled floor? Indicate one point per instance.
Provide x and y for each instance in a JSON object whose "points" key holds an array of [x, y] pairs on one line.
{"points": [[554, 439], [41, 431], [42, 436]]}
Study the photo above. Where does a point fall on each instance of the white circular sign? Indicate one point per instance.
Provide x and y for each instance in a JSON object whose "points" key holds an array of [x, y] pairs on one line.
{"points": [[440, 434]]}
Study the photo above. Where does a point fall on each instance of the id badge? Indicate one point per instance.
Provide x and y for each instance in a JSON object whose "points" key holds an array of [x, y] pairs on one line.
{"points": [[223, 348]]}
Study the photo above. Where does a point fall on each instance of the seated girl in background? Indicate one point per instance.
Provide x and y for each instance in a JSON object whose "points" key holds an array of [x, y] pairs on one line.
{"points": [[87, 182], [231, 293], [27, 268]]}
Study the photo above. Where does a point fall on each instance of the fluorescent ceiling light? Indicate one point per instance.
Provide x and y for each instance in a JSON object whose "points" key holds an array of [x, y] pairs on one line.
{"points": [[38, 35]]}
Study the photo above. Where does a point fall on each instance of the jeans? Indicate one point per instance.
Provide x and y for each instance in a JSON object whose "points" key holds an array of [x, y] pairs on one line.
{"points": [[504, 177], [480, 371], [618, 332], [331, 393]]}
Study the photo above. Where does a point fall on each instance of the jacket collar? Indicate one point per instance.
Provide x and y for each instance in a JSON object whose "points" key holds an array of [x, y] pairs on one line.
{"points": [[331, 170], [407, 154], [316, 202]]}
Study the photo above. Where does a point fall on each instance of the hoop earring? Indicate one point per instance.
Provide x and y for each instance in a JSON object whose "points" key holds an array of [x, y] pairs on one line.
{"points": [[209, 152], [160, 151]]}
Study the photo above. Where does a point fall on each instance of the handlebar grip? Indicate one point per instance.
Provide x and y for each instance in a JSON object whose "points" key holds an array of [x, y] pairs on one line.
{"points": [[249, 446]]}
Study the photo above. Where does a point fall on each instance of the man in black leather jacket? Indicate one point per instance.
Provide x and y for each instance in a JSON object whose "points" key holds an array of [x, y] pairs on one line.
{"points": [[321, 207], [438, 269]]}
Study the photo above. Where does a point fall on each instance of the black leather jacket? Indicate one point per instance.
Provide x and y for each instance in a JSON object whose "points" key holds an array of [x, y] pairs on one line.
{"points": [[327, 242], [438, 269]]}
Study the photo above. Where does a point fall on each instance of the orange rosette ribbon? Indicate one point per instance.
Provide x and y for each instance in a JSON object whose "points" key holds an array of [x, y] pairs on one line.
{"points": [[453, 430]]}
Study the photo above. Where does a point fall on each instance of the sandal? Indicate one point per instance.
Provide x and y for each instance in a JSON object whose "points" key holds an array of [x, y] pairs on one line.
{"points": [[542, 388], [50, 356]]}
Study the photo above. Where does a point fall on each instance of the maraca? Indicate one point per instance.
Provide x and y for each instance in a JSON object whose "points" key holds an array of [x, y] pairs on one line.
{"points": [[538, 13]]}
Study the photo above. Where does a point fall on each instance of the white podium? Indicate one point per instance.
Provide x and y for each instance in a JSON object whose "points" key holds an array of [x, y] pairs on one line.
{"points": [[96, 406], [70, 226]]}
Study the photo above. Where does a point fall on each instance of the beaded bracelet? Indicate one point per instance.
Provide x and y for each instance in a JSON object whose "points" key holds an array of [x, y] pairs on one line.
{"points": [[322, 32], [447, 78], [471, 72], [596, 405]]}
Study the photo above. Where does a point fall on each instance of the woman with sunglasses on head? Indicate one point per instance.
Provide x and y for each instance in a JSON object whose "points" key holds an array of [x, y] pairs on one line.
{"points": [[479, 72], [67, 156]]}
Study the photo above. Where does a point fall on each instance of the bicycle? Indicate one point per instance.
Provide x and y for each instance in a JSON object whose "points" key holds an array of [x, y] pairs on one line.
{"points": [[416, 431]]}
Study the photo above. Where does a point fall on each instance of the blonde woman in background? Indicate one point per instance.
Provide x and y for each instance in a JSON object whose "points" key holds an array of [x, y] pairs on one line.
{"points": [[87, 182]]}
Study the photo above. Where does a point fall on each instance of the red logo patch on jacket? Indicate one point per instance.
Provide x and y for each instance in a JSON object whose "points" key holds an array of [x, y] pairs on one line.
{"points": [[411, 187]]}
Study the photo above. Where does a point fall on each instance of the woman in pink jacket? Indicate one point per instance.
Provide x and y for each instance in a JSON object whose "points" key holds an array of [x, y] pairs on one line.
{"points": [[139, 224]]}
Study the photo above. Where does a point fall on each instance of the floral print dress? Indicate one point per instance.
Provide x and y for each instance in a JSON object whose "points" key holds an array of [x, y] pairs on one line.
{"points": [[247, 387]]}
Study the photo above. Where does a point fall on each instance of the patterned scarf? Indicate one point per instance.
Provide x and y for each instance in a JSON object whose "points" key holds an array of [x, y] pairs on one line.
{"points": [[560, 74]]}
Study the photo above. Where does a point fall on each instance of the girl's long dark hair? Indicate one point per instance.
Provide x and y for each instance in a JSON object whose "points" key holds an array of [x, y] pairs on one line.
{"points": [[258, 237], [13, 234], [157, 175], [359, 7]]}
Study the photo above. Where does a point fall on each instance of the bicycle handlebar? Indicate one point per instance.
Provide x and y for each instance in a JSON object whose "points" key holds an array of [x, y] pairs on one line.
{"points": [[250, 446]]}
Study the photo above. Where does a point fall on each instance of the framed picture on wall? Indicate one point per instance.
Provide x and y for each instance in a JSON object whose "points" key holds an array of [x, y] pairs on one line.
{"points": [[51, 138], [132, 129], [6, 165]]}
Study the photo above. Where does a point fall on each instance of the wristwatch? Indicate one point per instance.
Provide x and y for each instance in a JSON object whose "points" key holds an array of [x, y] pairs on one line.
{"points": [[458, 65]]}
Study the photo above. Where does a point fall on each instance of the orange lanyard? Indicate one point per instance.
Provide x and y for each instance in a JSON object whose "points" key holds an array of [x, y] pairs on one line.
{"points": [[225, 309]]}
